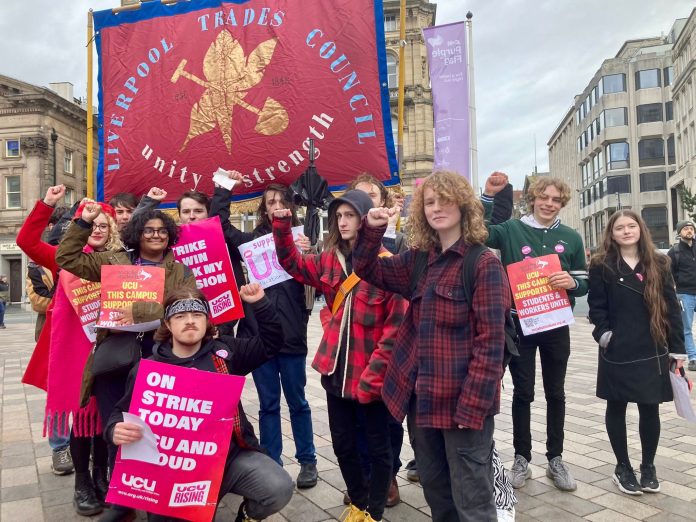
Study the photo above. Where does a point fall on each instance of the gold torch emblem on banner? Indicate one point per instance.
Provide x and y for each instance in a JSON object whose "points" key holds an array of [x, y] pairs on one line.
{"points": [[229, 75]]}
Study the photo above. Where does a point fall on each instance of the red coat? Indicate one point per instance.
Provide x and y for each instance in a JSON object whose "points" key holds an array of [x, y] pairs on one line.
{"points": [[29, 240], [375, 317]]}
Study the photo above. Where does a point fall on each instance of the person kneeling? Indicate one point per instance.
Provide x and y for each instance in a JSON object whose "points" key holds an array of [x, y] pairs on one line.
{"points": [[186, 339]]}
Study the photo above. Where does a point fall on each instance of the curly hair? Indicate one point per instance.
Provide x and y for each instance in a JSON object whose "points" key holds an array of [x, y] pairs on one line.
{"points": [[262, 212], [134, 229], [450, 187], [163, 334], [655, 265], [540, 184]]}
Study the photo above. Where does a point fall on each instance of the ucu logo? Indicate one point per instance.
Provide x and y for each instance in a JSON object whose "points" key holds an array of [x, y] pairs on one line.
{"points": [[138, 483]]}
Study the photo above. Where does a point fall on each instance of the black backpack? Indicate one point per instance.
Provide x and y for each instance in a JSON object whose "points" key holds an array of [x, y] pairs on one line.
{"points": [[420, 267]]}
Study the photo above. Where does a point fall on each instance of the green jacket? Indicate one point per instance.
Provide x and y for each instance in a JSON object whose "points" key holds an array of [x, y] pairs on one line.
{"points": [[517, 240], [70, 257]]}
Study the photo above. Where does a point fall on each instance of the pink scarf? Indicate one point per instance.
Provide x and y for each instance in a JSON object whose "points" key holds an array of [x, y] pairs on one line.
{"points": [[69, 350]]}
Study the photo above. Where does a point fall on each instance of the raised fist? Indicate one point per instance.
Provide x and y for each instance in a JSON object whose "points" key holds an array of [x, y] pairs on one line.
{"points": [[495, 183], [157, 193], [54, 195], [91, 211], [251, 293], [282, 213]]}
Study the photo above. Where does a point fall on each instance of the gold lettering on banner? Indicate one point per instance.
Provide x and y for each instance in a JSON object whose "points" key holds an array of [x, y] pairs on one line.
{"points": [[229, 75]]}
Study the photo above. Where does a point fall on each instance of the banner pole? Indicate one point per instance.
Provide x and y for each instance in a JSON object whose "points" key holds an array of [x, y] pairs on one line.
{"points": [[402, 74], [90, 115], [472, 105]]}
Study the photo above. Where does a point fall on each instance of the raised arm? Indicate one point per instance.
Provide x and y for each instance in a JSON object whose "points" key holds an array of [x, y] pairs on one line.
{"points": [[391, 274], [29, 237], [304, 268]]}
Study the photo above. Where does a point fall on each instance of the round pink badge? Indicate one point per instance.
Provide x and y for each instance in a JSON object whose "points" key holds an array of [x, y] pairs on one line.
{"points": [[559, 248], [222, 353], [526, 249]]}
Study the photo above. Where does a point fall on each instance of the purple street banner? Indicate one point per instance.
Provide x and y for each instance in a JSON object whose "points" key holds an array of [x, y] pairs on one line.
{"points": [[189, 87], [449, 80]]}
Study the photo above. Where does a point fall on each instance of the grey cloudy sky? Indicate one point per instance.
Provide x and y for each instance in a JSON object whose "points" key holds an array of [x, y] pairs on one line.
{"points": [[531, 58]]}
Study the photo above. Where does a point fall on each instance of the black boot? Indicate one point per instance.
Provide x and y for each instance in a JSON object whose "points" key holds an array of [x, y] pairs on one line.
{"points": [[117, 514], [85, 501], [241, 514], [101, 485]]}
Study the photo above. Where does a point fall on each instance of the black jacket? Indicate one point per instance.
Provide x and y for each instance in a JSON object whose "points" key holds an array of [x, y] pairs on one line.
{"points": [[288, 297], [683, 259], [243, 357], [632, 368]]}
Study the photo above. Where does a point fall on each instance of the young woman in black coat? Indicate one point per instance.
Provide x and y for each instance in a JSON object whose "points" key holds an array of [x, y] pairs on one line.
{"points": [[637, 323]]}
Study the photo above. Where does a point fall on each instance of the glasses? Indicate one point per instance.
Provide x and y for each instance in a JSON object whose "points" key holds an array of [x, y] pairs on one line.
{"points": [[101, 227], [161, 232]]}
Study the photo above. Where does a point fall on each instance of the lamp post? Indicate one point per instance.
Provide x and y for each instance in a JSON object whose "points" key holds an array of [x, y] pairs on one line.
{"points": [[54, 139]]}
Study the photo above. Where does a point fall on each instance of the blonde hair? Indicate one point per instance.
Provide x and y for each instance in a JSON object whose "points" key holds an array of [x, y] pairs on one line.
{"points": [[540, 184], [114, 243], [450, 187]]}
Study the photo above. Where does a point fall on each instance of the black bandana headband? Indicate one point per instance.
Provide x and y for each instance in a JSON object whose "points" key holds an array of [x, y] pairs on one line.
{"points": [[186, 305]]}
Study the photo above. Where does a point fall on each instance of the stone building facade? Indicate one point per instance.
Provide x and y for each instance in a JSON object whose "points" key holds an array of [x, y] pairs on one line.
{"points": [[30, 117]]}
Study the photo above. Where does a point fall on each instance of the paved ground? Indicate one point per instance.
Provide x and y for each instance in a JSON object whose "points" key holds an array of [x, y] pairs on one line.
{"points": [[30, 492]]}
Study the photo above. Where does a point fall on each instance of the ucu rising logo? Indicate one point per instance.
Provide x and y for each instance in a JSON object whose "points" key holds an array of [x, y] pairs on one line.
{"points": [[191, 494], [138, 483]]}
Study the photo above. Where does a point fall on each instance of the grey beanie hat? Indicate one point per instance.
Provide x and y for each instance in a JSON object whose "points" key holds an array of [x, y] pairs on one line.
{"points": [[357, 199], [685, 223]]}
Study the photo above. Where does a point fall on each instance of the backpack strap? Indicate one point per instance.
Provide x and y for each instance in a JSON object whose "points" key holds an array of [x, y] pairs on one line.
{"points": [[469, 270], [420, 267], [347, 286]]}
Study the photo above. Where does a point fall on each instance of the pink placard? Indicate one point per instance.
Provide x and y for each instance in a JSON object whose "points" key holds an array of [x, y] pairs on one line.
{"points": [[85, 298], [191, 413], [202, 248]]}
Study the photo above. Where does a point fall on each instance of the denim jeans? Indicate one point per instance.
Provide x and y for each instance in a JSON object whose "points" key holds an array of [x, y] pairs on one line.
{"points": [[554, 351], [688, 304], [2, 312], [58, 442], [456, 471], [288, 371], [343, 416]]}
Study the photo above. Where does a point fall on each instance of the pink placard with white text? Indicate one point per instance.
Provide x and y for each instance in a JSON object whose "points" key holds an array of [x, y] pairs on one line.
{"points": [[191, 414]]}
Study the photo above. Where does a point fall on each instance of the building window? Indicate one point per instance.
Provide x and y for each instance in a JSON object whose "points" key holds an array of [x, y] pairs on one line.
{"points": [[67, 162], [618, 155], [392, 72], [620, 184], [668, 73], [656, 220], [577, 117], [69, 196], [614, 83], [598, 127], [395, 134], [13, 194], [391, 23], [651, 152], [595, 94], [648, 78], [650, 181], [669, 114], [579, 144], [614, 117], [12, 148], [649, 112], [671, 158]]}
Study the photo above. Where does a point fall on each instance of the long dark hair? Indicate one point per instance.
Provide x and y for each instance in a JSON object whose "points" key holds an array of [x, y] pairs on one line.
{"points": [[134, 229], [163, 333], [262, 211], [655, 266]]}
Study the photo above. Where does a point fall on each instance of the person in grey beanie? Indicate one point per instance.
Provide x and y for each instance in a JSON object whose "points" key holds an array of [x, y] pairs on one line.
{"points": [[683, 256]]}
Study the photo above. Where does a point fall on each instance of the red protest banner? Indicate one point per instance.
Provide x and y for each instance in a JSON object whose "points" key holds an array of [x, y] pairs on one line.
{"points": [[202, 248], [188, 87], [123, 285], [539, 307], [192, 422], [85, 298]]}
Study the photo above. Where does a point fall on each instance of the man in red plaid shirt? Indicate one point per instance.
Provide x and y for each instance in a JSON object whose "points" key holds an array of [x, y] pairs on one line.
{"points": [[447, 363]]}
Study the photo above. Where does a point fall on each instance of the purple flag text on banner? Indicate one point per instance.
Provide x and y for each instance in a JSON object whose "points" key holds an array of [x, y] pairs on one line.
{"points": [[449, 80]]}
